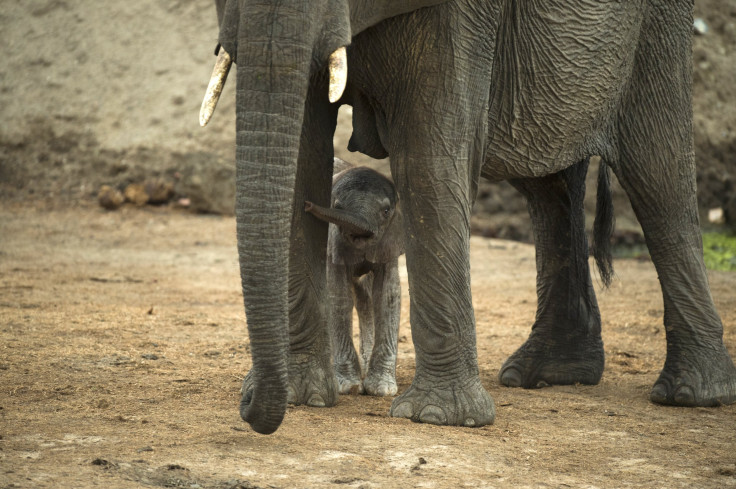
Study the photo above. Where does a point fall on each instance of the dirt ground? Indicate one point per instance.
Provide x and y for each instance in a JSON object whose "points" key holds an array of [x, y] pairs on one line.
{"points": [[122, 334], [123, 345]]}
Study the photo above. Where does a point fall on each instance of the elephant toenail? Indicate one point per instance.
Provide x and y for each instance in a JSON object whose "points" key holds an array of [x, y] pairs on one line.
{"points": [[290, 395], [511, 377], [432, 415], [315, 400], [469, 422], [659, 394], [684, 396], [403, 410]]}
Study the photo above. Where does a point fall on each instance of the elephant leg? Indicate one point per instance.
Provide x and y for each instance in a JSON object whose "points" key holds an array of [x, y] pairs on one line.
{"points": [[436, 192], [380, 379], [436, 203], [362, 288], [347, 365], [565, 345], [311, 373], [431, 98], [656, 167]]}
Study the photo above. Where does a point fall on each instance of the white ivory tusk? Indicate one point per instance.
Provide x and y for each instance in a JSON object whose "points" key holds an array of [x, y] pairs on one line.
{"points": [[338, 73], [214, 89]]}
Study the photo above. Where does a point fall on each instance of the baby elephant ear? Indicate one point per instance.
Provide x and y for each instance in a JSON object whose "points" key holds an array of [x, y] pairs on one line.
{"points": [[391, 245]]}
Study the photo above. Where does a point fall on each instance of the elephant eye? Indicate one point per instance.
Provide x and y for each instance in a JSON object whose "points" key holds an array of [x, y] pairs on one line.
{"points": [[386, 211]]}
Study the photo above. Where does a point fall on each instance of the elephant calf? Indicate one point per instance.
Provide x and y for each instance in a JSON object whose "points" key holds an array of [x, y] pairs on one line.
{"points": [[364, 243]]}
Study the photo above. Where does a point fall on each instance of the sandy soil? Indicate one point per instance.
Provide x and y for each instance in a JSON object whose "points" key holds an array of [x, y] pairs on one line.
{"points": [[123, 345], [122, 334]]}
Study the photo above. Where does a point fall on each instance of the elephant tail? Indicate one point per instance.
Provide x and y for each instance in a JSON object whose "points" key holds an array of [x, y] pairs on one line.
{"points": [[603, 225]]}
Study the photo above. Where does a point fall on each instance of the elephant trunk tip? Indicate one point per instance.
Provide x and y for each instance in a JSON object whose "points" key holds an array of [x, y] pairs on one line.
{"points": [[308, 206], [261, 419]]}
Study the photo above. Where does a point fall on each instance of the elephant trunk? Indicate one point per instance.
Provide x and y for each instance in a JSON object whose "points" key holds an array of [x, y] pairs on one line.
{"points": [[272, 77], [352, 223]]}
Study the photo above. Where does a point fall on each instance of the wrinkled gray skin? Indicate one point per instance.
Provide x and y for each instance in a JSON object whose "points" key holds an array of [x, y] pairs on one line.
{"points": [[365, 240], [453, 91]]}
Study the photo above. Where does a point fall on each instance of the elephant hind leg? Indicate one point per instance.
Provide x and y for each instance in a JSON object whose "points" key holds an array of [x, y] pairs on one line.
{"points": [[656, 167], [380, 378], [698, 370], [363, 295], [565, 345]]}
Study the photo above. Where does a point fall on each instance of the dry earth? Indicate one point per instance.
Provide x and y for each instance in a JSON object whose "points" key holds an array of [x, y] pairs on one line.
{"points": [[123, 345], [122, 335]]}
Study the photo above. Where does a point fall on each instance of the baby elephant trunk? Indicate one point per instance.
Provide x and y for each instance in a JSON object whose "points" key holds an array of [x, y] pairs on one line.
{"points": [[346, 221]]}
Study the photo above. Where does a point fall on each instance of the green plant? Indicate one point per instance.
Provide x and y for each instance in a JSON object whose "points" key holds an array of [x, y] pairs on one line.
{"points": [[720, 251]]}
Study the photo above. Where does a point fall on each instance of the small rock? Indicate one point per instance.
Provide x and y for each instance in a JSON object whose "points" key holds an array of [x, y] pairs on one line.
{"points": [[159, 191], [144, 449], [102, 462], [208, 182], [700, 27], [110, 198], [102, 404], [422, 461], [136, 194], [149, 356]]}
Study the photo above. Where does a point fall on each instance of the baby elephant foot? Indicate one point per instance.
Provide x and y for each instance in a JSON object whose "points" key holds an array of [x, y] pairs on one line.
{"points": [[543, 361], [380, 383], [348, 378], [696, 377], [461, 404]]}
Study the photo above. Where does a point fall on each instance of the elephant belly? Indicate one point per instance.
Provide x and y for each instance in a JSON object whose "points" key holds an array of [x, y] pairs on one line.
{"points": [[559, 73]]}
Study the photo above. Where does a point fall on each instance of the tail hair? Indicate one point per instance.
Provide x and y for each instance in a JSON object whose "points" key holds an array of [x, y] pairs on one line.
{"points": [[603, 225]]}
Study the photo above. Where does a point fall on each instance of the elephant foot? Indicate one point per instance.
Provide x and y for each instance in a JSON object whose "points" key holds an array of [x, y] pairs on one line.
{"points": [[461, 404], [348, 377], [544, 361], [311, 381], [380, 382], [696, 377]]}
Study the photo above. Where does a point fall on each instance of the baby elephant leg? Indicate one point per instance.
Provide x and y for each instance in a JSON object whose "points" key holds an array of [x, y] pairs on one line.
{"points": [[363, 291], [380, 379], [347, 366]]}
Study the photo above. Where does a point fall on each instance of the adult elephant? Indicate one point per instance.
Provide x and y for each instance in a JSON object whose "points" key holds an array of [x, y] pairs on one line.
{"points": [[452, 91]]}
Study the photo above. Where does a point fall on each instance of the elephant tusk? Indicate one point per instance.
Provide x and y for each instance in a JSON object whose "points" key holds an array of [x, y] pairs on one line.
{"points": [[338, 73], [214, 89]]}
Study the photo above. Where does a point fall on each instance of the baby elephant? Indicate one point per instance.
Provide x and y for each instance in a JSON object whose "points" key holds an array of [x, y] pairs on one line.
{"points": [[364, 244]]}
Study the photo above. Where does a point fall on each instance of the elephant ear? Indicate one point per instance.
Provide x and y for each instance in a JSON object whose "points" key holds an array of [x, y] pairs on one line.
{"points": [[228, 18], [391, 245], [367, 13]]}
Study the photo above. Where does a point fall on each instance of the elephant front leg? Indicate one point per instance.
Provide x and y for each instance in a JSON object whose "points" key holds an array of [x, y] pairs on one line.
{"points": [[380, 379], [436, 202], [565, 345], [311, 373], [347, 365]]}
